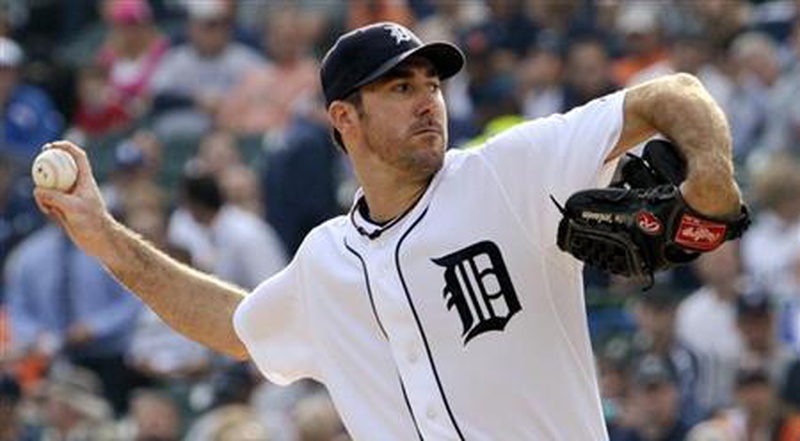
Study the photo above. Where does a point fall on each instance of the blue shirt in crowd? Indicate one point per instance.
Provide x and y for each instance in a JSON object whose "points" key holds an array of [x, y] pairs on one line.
{"points": [[51, 285]]}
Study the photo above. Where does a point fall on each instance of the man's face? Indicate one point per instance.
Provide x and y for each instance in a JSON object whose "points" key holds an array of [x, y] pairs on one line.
{"points": [[8, 80], [403, 118], [210, 36], [756, 330], [756, 399], [656, 321], [657, 403], [588, 69], [8, 412]]}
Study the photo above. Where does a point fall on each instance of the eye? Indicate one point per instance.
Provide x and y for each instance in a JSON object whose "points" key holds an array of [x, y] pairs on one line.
{"points": [[402, 87], [435, 87]]}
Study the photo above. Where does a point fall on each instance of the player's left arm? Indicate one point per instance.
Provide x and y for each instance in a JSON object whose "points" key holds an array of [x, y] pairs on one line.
{"points": [[680, 108]]}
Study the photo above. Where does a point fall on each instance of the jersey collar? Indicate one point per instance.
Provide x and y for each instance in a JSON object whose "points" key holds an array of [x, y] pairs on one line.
{"points": [[368, 228]]}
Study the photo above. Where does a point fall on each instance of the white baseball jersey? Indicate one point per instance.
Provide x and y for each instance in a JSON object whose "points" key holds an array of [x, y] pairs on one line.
{"points": [[460, 320]]}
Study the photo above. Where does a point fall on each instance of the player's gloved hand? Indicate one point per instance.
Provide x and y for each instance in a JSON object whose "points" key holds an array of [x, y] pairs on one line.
{"points": [[642, 224]]}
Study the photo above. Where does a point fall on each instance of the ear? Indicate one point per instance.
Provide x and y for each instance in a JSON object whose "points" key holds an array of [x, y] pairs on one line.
{"points": [[342, 116]]}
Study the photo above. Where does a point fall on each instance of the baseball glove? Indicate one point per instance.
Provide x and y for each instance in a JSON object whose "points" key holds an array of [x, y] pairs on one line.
{"points": [[641, 224]]}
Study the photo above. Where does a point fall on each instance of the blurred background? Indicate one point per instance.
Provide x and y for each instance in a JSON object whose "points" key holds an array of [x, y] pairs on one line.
{"points": [[206, 129]]}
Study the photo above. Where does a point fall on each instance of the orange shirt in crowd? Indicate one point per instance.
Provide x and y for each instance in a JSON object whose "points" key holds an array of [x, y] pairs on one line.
{"points": [[791, 429], [625, 68]]}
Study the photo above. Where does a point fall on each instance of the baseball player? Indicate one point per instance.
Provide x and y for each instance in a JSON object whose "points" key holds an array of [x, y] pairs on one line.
{"points": [[440, 307]]}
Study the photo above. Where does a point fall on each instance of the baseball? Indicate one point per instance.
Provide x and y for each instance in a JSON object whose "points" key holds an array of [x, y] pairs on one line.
{"points": [[54, 168]]}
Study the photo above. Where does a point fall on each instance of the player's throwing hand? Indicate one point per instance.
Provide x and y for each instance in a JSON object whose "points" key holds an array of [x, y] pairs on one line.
{"points": [[80, 211]]}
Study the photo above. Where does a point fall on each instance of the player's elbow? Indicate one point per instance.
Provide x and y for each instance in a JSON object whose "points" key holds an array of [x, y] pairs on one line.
{"points": [[669, 96], [241, 354], [685, 80], [237, 350], [677, 86]]}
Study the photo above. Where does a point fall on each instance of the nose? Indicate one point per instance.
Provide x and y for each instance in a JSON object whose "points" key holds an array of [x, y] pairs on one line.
{"points": [[427, 103]]}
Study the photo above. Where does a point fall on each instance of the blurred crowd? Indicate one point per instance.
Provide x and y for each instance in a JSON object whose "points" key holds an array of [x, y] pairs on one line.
{"points": [[206, 129]]}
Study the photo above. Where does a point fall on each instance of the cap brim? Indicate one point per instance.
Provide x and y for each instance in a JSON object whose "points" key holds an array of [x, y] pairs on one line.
{"points": [[446, 58]]}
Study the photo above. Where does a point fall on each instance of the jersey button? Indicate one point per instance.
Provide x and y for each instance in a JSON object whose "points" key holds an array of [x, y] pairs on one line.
{"points": [[412, 355], [431, 412]]}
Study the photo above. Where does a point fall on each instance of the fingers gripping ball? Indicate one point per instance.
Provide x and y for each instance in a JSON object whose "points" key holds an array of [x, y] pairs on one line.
{"points": [[55, 169]]}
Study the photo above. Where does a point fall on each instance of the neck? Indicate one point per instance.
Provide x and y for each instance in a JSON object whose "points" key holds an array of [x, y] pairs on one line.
{"points": [[390, 201], [9, 431], [726, 292], [662, 342], [389, 192]]}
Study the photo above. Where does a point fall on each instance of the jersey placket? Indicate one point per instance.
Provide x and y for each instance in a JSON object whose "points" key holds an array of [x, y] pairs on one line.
{"points": [[407, 342]]}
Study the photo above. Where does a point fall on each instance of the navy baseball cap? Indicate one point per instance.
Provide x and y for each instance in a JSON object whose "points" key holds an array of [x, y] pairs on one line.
{"points": [[365, 54], [753, 304], [651, 370]]}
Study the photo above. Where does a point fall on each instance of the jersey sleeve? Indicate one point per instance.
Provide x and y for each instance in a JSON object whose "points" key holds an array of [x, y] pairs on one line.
{"points": [[557, 156], [272, 322]]}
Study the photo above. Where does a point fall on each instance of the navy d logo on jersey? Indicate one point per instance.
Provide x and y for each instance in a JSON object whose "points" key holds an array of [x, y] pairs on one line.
{"points": [[477, 284]]}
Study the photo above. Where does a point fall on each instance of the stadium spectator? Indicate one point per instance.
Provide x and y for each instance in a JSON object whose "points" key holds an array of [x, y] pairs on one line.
{"points": [[790, 394], [302, 180], [154, 416], [242, 188], [135, 160], [655, 404], [74, 407], [771, 248], [754, 415], [638, 24], [690, 52], [587, 73], [229, 423], [241, 247], [131, 52], [28, 118], [64, 305], [18, 213], [783, 126], [706, 321], [756, 321], [614, 368], [755, 56], [12, 425], [267, 96], [100, 110], [192, 78], [316, 419], [217, 152], [362, 12], [541, 80], [158, 353], [655, 316]]}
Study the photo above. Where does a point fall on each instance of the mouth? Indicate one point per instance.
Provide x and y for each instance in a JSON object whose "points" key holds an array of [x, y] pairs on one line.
{"points": [[429, 130]]}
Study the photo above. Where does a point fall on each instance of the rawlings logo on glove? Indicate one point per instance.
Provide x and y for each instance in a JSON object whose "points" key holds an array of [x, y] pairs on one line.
{"points": [[648, 223], [641, 224], [700, 234]]}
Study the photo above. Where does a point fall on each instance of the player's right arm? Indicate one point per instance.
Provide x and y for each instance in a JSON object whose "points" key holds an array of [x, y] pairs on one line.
{"points": [[679, 107], [195, 304]]}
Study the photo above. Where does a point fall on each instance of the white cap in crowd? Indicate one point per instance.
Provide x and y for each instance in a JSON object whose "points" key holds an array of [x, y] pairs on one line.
{"points": [[11, 54]]}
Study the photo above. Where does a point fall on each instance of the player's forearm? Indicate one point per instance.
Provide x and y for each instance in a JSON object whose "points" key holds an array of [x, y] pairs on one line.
{"points": [[194, 304], [681, 108]]}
